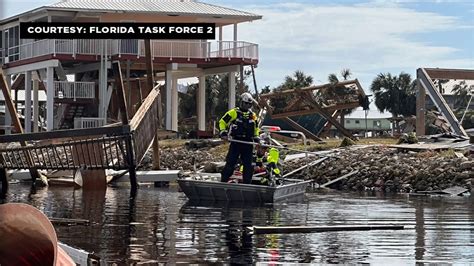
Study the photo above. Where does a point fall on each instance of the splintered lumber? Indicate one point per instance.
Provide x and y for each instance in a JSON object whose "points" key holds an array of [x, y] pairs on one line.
{"points": [[308, 98], [16, 122], [316, 229], [425, 80], [339, 178], [297, 126], [305, 167]]}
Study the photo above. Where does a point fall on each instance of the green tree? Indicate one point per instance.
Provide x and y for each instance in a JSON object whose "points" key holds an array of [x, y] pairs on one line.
{"points": [[336, 91], [395, 94], [440, 83], [298, 80], [217, 96]]}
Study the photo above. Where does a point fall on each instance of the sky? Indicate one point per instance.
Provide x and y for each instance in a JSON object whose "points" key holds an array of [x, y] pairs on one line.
{"points": [[367, 37]]}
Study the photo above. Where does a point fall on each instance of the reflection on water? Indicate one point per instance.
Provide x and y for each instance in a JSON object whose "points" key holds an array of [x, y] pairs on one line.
{"points": [[160, 225]]}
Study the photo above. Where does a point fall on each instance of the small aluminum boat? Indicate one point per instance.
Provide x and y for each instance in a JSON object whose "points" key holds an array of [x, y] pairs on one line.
{"points": [[202, 190]]}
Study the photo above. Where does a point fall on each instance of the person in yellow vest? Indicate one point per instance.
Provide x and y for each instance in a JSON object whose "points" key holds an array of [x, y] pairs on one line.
{"points": [[267, 159], [240, 124]]}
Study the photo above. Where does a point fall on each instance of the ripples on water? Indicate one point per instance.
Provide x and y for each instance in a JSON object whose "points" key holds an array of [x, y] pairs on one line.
{"points": [[159, 225]]}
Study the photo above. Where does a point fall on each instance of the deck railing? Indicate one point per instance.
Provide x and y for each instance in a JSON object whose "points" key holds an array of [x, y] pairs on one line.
{"points": [[160, 48], [74, 90], [88, 122]]}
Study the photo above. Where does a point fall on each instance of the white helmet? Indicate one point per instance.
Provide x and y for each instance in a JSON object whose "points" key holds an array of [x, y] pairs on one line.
{"points": [[247, 98]]}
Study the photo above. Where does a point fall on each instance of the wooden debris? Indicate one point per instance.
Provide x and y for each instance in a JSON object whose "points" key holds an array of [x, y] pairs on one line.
{"points": [[316, 229], [304, 167], [338, 179]]}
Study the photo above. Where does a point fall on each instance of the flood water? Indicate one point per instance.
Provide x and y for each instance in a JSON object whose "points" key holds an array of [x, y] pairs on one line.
{"points": [[160, 226]]}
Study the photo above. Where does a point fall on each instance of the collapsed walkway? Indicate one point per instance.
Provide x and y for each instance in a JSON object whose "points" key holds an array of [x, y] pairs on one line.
{"points": [[117, 147]]}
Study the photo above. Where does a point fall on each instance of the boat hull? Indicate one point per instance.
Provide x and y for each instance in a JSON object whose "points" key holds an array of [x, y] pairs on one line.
{"points": [[199, 190]]}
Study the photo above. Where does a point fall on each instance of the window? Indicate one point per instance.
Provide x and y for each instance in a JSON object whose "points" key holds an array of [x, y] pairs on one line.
{"points": [[348, 121], [357, 122], [12, 40], [377, 123]]}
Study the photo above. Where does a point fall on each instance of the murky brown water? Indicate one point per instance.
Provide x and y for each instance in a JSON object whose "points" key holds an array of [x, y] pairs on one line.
{"points": [[160, 226]]}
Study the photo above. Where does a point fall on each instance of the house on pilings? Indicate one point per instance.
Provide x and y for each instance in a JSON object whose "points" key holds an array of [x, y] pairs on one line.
{"points": [[75, 76]]}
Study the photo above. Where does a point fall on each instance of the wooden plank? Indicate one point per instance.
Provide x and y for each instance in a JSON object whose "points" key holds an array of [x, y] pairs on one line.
{"points": [[305, 167], [327, 127], [292, 105], [67, 133], [19, 82], [445, 73], [16, 123], [120, 92], [145, 124], [338, 179], [316, 229], [328, 109], [420, 109], [426, 82], [310, 100], [298, 127], [150, 85], [310, 88]]}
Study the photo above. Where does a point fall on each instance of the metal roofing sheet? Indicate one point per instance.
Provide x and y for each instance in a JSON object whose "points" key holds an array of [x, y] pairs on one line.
{"points": [[159, 6]]}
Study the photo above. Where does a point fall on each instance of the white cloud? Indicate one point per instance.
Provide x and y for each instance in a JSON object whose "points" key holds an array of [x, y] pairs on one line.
{"points": [[368, 39]]}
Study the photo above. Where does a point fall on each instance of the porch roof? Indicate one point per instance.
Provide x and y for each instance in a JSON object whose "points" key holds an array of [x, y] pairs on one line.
{"points": [[165, 7]]}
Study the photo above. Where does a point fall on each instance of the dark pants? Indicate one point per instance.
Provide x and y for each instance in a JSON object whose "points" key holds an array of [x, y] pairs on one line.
{"points": [[245, 151]]}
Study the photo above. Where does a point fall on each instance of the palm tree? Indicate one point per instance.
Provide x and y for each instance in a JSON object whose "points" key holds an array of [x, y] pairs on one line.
{"points": [[298, 80], [346, 73], [462, 93], [439, 83], [395, 94], [337, 90]]}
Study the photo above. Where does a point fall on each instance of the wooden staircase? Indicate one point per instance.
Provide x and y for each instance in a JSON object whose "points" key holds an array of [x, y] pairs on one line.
{"points": [[72, 111]]}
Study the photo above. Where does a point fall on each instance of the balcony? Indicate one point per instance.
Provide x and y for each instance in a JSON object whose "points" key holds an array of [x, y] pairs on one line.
{"points": [[189, 49], [74, 90]]}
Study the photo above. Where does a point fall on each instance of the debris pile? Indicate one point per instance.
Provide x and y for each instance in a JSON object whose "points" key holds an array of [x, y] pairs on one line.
{"points": [[384, 169], [180, 158], [436, 123], [409, 138]]}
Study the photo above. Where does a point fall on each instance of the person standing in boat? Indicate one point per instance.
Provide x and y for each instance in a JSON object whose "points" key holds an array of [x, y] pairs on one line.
{"points": [[240, 124]]}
